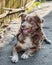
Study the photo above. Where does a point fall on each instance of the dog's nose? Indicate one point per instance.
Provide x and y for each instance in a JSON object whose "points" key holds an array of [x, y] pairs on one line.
{"points": [[23, 26]]}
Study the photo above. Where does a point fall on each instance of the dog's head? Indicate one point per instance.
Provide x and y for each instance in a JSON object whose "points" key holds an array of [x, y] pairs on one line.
{"points": [[30, 23]]}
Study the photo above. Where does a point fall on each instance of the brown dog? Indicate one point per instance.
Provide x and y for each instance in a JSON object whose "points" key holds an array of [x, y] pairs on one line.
{"points": [[30, 37]]}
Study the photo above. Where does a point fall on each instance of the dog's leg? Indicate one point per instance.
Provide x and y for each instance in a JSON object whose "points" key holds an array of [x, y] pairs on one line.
{"points": [[14, 55], [15, 51], [29, 52]]}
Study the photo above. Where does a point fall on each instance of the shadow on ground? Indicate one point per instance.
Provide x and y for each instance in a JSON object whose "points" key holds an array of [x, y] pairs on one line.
{"points": [[42, 57]]}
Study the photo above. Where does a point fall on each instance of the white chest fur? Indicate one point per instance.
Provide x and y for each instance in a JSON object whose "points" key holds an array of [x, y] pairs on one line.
{"points": [[27, 44]]}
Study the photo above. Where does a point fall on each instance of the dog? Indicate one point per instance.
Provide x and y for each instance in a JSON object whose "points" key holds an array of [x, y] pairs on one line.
{"points": [[29, 38]]}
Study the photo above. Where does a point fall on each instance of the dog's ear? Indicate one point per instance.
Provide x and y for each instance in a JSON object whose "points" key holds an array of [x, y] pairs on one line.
{"points": [[22, 15], [43, 20], [38, 19]]}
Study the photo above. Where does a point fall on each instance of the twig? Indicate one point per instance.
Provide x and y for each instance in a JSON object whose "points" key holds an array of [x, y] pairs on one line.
{"points": [[11, 11]]}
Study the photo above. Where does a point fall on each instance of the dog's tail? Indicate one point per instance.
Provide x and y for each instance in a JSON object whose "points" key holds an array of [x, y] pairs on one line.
{"points": [[47, 41]]}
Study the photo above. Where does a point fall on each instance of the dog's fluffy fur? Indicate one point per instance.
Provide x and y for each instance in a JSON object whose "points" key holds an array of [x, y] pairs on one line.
{"points": [[30, 37]]}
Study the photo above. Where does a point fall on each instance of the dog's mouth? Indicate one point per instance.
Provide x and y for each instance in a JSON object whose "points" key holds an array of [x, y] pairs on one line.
{"points": [[26, 30]]}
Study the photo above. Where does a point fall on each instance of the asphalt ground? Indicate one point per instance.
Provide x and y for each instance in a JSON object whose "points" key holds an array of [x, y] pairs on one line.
{"points": [[42, 57]]}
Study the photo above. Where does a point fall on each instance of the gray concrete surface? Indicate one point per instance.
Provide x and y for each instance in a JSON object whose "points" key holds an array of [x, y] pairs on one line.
{"points": [[42, 57]]}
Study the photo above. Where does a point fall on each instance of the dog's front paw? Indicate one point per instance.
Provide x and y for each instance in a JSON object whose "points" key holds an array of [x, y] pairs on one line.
{"points": [[14, 59], [25, 56]]}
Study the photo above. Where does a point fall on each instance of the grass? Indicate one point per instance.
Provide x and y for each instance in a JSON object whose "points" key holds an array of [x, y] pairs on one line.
{"points": [[35, 4]]}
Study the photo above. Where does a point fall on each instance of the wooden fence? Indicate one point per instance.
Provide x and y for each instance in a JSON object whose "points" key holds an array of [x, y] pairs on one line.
{"points": [[10, 9]]}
